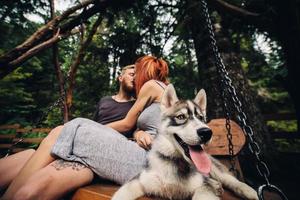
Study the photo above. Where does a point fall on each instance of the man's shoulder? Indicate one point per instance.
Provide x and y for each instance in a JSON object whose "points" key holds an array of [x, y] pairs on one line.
{"points": [[106, 98]]}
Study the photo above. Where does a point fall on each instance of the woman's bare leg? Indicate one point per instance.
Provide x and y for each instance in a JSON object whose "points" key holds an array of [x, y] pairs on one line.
{"points": [[54, 181], [11, 166], [38, 160]]}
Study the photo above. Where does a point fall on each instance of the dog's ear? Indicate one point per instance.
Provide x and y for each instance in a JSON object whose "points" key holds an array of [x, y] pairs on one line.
{"points": [[169, 97], [200, 100]]}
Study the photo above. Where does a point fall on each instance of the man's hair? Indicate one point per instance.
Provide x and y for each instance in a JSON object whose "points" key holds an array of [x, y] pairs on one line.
{"points": [[126, 67]]}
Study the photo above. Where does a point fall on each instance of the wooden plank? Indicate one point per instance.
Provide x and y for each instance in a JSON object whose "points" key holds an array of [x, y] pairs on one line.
{"points": [[106, 191], [225, 160], [29, 140], [5, 146], [99, 192], [219, 143], [7, 137], [9, 126], [34, 130]]}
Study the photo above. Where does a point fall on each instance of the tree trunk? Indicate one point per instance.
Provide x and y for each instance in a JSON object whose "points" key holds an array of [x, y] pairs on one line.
{"points": [[210, 78], [281, 21], [77, 61], [43, 37], [288, 32], [59, 74]]}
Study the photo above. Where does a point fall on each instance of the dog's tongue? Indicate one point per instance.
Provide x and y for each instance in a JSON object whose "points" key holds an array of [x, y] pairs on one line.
{"points": [[201, 160]]}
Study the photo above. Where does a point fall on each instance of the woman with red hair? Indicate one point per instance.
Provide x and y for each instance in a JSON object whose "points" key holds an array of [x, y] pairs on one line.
{"points": [[95, 148]]}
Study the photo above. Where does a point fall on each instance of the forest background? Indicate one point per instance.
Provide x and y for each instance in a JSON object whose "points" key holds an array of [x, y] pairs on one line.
{"points": [[73, 50]]}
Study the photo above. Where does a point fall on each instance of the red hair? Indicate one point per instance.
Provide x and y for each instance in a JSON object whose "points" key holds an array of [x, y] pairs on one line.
{"points": [[150, 67]]}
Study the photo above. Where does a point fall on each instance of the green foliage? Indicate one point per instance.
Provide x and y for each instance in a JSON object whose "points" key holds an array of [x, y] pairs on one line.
{"points": [[12, 93], [15, 12], [183, 71], [283, 125], [288, 145]]}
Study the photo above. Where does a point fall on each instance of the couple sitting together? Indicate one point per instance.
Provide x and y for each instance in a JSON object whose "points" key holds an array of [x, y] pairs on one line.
{"points": [[177, 167], [71, 155]]}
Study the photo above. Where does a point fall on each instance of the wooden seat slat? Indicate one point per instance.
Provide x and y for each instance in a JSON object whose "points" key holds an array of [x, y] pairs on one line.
{"points": [[29, 140], [6, 140], [105, 192], [10, 126], [34, 130], [7, 137], [5, 146]]}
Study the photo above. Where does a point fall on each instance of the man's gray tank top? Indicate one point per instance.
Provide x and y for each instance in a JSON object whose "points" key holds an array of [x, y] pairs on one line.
{"points": [[149, 119]]}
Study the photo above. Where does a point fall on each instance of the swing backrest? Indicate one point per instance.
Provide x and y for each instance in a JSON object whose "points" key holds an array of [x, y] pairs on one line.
{"points": [[219, 144]]}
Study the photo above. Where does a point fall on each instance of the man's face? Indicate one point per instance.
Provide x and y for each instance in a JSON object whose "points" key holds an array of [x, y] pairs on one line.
{"points": [[127, 80]]}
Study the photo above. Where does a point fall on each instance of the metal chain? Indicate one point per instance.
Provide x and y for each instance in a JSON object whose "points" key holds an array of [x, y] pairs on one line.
{"points": [[229, 134], [261, 166]]}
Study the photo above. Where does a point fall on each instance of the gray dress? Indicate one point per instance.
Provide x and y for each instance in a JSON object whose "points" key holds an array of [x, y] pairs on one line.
{"points": [[108, 153]]}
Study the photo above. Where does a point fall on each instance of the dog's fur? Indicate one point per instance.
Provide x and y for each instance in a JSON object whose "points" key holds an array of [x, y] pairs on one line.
{"points": [[170, 172]]}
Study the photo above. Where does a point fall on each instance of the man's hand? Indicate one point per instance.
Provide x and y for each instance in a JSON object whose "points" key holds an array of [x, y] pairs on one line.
{"points": [[143, 139]]}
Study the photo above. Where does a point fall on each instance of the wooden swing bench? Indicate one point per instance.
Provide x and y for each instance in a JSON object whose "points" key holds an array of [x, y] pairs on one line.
{"points": [[217, 147], [104, 189]]}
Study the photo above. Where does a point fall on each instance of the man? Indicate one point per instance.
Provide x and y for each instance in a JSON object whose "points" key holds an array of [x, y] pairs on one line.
{"points": [[113, 108]]}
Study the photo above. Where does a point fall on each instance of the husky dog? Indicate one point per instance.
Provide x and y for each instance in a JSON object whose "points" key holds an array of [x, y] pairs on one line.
{"points": [[178, 168]]}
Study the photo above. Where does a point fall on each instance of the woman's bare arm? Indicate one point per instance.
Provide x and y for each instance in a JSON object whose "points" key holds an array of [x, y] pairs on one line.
{"points": [[149, 93]]}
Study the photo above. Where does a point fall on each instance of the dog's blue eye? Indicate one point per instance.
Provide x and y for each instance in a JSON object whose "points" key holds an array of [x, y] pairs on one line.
{"points": [[200, 117], [181, 117]]}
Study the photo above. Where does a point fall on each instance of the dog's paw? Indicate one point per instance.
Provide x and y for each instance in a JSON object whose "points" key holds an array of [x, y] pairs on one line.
{"points": [[248, 192], [216, 187], [252, 195], [219, 191]]}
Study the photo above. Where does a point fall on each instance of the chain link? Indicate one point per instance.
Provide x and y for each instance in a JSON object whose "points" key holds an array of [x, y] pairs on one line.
{"points": [[229, 134], [226, 83]]}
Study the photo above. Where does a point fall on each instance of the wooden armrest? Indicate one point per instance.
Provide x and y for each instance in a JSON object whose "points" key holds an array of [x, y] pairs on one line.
{"points": [[219, 143]]}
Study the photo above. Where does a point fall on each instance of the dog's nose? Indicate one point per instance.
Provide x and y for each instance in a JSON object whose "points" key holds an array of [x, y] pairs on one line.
{"points": [[204, 134]]}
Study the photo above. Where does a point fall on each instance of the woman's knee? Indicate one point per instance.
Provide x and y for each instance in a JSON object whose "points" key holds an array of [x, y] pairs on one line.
{"points": [[30, 191], [35, 188], [24, 193], [51, 138], [28, 152]]}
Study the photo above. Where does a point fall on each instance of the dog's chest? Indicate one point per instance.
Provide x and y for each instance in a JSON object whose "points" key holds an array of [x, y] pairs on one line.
{"points": [[170, 186], [173, 181]]}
